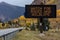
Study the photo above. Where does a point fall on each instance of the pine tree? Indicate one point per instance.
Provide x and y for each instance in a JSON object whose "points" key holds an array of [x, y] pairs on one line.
{"points": [[46, 24], [32, 27]]}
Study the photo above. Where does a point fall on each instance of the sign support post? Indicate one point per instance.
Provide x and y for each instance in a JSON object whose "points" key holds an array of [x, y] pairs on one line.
{"points": [[40, 20]]}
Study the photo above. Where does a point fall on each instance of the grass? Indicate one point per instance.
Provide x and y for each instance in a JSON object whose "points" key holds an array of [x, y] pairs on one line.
{"points": [[0, 38], [52, 34], [27, 35], [34, 35]]}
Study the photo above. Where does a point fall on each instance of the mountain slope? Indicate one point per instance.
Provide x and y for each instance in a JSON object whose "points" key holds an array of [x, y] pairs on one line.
{"points": [[38, 2], [8, 12]]}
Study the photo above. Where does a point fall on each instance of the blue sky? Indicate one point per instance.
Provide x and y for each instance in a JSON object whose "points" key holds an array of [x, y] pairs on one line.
{"points": [[18, 2]]}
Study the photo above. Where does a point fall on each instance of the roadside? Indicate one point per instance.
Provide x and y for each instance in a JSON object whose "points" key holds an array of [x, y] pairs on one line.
{"points": [[34, 35]]}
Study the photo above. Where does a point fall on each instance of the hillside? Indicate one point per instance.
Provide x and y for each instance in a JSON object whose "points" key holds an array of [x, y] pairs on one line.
{"points": [[9, 12]]}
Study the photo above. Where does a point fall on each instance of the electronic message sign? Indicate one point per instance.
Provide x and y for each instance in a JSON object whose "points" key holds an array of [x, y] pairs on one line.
{"points": [[40, 11]]}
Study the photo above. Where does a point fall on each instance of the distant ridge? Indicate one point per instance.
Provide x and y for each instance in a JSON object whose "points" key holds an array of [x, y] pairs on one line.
{"points": [[9, 12]]}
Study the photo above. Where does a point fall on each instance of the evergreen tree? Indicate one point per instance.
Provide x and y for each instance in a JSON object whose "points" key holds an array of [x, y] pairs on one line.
{"points": [[32, 27], [45, 24]]}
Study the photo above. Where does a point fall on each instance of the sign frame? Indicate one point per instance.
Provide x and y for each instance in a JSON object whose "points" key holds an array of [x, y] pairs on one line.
{"points": [[28, 11]]}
